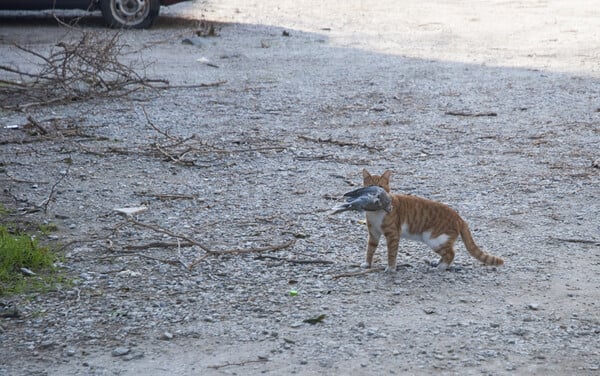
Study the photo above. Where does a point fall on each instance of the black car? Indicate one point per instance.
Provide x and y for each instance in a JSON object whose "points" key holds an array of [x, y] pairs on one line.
{"points": [[138, 14]]}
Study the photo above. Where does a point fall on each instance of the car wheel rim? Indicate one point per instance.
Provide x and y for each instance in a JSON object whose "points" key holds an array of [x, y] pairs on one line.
{"points": [[130, 12]]}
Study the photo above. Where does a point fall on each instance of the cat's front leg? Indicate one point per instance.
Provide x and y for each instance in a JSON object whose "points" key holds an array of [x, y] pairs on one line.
{"points": [[392, 252], [372, 244]]}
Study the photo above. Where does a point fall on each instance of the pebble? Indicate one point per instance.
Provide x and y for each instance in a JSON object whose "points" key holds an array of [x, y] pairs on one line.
{"points": [[47, 345], [120, 351], [533, 306], [133, 356], [166, 336]]}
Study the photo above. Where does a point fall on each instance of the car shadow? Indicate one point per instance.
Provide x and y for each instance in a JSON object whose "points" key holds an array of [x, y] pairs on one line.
{"points": [[32, 19]]}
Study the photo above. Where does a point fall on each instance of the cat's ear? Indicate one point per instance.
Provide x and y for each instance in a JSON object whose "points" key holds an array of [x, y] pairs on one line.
{"points": [[386, 175], [366, 174]]}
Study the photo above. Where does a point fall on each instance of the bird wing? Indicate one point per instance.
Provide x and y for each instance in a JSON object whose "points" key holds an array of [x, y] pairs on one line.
{"points": [[372, 198]]}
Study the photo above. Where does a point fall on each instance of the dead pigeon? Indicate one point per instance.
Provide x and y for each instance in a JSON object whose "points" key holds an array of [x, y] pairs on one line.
{"points": [[372, 198]]}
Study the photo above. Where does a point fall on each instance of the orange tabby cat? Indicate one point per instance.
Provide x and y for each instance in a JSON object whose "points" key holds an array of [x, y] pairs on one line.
{"points": [[433, 223]]}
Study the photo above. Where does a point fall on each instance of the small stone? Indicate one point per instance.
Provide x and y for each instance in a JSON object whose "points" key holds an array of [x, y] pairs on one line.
{"points": [[166, 336], [120, 351], [533, 306], [47, 345], [428, 311], [69, 351], [133, 356], [193, 41], [131, 211]]}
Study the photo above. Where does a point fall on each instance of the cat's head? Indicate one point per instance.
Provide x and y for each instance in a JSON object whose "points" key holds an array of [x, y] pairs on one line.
{"points": [[382, 181]]}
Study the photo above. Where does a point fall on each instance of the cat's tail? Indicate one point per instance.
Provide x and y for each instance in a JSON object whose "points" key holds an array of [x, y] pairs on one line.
{"points": [[474, 250]]}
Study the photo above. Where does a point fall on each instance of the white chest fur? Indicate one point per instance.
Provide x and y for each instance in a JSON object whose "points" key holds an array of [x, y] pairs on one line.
{"points": [[375, 220]]}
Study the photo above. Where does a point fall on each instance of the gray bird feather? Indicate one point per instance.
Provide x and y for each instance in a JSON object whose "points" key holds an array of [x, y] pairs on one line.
{"points": [[371, 198]]}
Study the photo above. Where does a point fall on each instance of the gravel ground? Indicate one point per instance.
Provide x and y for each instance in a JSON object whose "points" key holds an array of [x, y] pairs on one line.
{"points": [[491, 108]]}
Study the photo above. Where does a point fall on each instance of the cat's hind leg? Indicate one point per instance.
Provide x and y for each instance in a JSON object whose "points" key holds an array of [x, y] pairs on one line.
{"points": [[446, 253]]}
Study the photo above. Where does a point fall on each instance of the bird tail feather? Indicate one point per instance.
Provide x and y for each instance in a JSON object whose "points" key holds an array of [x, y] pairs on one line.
{"points": [[340, 208]]}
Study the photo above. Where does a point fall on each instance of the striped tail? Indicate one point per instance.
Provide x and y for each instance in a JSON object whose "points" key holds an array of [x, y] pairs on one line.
{"points": [[474, 250]]}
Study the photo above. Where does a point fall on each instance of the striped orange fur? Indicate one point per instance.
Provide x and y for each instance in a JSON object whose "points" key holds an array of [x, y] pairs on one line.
{"points": [[431, 222]]}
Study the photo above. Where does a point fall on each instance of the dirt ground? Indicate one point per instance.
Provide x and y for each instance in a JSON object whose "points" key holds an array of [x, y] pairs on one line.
{"points": [[490, 107]]}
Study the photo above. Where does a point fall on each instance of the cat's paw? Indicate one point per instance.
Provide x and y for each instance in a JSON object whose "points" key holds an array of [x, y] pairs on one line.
{"points": [[442, 266], [390, 269], [365, 265]]}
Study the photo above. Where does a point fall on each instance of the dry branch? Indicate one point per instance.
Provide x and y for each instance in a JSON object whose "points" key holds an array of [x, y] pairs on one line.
{"points": [[242, 251], [294, 261], [192, 86], [46, 202], [472, 114], [170, 233], [158, 245], [167, 196], [340, 143], [37, 125], [89, 67], [228, 364], [354, 274], [208, 252], [582, 241]]}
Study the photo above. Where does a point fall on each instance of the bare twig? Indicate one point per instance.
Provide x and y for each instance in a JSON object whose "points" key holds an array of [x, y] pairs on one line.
{"points": [[354, 274], [473, 114], [151, 124], [141, 255], [294, 261], [167, 196], [582, 241], [192, 86], [242, 251], [340, 143], [39, 127], [158, 245], [170, 233], [46, 202], [208, 252], [228, 364], [268, 248], [79, 70]]}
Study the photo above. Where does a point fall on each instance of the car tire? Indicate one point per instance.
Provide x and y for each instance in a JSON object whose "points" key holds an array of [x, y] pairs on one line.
{"points": [[129, 14]]}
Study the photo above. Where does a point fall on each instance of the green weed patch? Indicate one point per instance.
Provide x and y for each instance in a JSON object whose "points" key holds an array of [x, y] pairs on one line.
{"points": [[25, 265]]}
